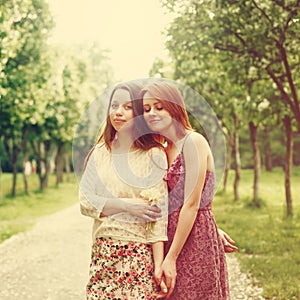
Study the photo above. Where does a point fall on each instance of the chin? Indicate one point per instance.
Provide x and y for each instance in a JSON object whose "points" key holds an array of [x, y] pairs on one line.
{"points": [[155, 129]]}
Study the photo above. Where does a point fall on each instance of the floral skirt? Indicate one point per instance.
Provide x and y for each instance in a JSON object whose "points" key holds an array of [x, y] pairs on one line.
{"points": [[121, 270]]}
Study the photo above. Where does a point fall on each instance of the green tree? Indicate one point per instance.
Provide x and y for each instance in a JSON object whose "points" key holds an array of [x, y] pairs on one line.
{"points": [[252, 41], [265, 32], [24, 30]]}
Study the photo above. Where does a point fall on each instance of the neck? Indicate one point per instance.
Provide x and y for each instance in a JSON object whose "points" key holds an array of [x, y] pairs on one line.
{"points": [[172, 136], [175, 143], [123, 142]]}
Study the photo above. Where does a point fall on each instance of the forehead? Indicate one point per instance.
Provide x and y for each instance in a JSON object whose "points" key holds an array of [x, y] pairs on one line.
{"points": [[148, 99], [121, 96]]}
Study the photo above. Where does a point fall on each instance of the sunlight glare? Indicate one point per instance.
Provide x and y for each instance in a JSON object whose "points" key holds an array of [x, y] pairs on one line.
{"points": [[131, 29]]}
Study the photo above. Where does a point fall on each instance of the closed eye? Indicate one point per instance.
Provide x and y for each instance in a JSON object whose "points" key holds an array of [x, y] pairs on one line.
{"points": [[147, 108], [157, 106]]}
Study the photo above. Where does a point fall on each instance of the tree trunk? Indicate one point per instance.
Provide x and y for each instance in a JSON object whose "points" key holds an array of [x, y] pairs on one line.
{"points": [[257, 162], [12, 153], [67, 164], [228, 161], [236, 150], [25, 159], [40, 164], [15, 155], [267, 150], [292, 102], [59, 164], [288, 165], [44, 163]]}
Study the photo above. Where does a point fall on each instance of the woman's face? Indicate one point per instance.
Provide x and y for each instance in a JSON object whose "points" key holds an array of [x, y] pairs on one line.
{"points": [[156, 116], [121, 112]]}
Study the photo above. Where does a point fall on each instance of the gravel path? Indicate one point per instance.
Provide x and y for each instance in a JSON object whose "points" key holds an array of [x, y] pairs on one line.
{"points": [[50, 262]]}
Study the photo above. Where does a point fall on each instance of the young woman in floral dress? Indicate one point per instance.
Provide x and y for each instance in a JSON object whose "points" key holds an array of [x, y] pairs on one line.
{"points": [[194, 266]]}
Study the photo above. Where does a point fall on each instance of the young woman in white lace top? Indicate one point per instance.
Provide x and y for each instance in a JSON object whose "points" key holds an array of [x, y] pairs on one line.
{"points": [[123, 178]]}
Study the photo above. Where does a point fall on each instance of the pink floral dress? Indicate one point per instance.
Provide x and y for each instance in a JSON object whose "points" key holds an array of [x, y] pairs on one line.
{"points": [[201, 265]]}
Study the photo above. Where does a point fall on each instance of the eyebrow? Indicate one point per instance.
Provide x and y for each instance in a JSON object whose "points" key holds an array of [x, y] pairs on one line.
{"points": [[157, 102]]}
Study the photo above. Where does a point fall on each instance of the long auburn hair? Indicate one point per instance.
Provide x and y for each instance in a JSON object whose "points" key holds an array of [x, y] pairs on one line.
{"points": [[172, 101], [143, 138]]}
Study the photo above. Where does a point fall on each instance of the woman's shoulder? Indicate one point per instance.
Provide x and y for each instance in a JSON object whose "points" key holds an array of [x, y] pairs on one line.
{"points": [[196, 138], [99, 146], [99, 150], [196, 144]]}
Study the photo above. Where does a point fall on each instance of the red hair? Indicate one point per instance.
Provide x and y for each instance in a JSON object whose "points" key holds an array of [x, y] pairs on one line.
{"points": [[172, 101]]}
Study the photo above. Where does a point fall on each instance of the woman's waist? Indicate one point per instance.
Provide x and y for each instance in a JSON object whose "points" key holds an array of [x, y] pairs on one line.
{"points": [[113, 242], [120, 229], [205, 205]]}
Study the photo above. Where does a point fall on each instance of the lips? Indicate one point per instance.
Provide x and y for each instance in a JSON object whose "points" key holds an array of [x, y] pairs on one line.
{"points": [[119, 121], [152, 121]]}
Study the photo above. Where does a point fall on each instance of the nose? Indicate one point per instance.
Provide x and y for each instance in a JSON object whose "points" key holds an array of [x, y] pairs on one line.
{"points": [[152, 111], [119, 111]]}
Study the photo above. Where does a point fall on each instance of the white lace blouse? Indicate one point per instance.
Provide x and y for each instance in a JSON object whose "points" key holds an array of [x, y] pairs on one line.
{"points": [[136, 175]]}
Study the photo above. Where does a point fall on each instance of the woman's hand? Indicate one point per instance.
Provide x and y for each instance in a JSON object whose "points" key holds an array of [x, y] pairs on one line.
{"points": [[144, 211], [166, 277], [163, 287], [228, 242]]}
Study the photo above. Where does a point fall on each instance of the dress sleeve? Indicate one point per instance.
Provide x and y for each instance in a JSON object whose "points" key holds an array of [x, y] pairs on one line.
{"points": [[91, 203], [159, 163]]}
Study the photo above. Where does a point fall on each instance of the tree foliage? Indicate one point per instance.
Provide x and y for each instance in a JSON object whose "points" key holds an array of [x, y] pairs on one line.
{"points": [[43, 87], [243, 57]]}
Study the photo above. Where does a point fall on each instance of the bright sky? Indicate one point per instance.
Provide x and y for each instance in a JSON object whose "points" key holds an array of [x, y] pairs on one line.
{"points": [[131, 29]]}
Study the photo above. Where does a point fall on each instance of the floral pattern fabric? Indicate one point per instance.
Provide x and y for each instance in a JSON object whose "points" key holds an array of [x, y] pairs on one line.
{"points": [[201, 265], [121, 271]]}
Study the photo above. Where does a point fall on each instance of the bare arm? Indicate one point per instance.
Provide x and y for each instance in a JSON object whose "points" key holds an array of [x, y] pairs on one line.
{"points": [[158, 254]]}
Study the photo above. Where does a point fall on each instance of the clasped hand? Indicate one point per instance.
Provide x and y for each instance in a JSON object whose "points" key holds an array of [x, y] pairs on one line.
{"points": [[166, 278]]}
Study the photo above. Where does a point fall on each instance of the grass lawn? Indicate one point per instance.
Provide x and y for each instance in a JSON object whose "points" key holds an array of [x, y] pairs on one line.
{"points": [[269, 243], [20, 213]]}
